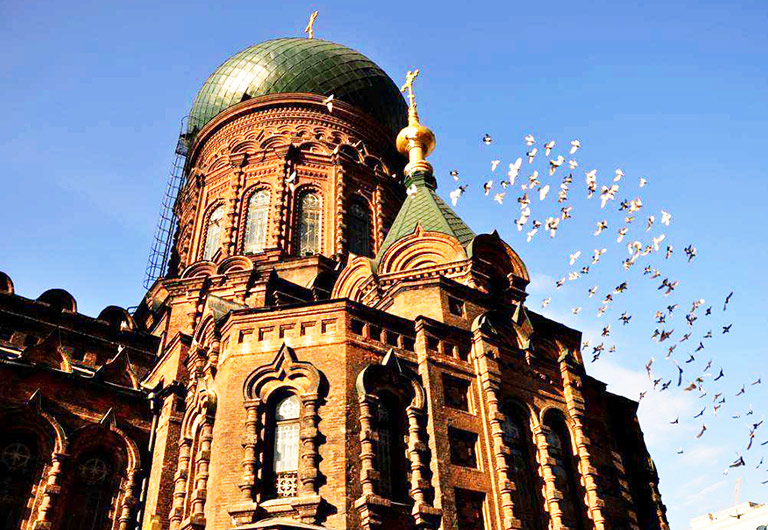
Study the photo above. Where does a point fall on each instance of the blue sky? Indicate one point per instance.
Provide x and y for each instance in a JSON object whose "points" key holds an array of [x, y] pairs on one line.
{"points": [[93, 92]]}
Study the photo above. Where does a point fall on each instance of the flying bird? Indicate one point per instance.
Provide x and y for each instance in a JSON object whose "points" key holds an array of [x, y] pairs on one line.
{"points": [[328, 102], [575, 145], [548, 147], [458, 192]]}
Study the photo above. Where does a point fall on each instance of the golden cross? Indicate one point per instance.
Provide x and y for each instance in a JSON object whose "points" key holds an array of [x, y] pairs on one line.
{"points": [[311, 32], [408, 85]]}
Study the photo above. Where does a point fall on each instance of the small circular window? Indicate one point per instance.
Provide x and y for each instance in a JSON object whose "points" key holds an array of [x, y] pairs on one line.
{"points": [[16, 455], [94, 470]]}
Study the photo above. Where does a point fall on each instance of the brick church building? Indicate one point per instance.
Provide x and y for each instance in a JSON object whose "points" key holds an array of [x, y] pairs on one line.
{"points": [[329, 345]]}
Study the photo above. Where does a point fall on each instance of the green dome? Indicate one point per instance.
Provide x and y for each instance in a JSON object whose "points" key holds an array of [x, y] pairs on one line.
{"points": [[301, 65]]}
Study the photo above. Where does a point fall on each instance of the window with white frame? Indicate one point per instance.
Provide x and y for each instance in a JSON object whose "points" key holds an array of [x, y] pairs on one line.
{"points": [[213, 232], [256, 222]]}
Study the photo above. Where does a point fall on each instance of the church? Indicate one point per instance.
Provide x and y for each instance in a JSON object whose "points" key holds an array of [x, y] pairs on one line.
{"points": [[324, 344]]}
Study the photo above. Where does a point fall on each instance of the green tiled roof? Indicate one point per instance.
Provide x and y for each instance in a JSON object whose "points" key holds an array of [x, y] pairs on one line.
{"points": [[301, 65], [426, 208]]}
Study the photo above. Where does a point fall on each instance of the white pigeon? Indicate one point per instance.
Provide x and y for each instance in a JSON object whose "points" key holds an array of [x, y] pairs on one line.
{"points": [[531, 155], [499, 197], [572, 164], [643, 182], [546, 301], [455, 194], [543, 192], [573, 257], [548, 147], [494, 164], [619, 174], [554, 164], [601, 225], [597, 253], [665, 218], [575, 145], [608, 194], [514, 170], [455, 174], [412, 189], [533, 179], [328, 102], [649, 223], [635, 204], [551, 224], [622, 233], [592, 291], [591, 179], [576, 310], [657, 242], [487, 187], [530, 140]]}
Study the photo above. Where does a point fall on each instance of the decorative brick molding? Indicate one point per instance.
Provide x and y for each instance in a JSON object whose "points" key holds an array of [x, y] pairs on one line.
{"points": [[392, 376], [284, 372]]}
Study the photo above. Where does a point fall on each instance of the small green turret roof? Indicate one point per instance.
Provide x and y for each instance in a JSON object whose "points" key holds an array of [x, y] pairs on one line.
{"points": [[424, 207]]}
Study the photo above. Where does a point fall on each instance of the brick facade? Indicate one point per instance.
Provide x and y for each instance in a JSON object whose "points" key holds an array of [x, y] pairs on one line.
{"points": [[430, 395]]}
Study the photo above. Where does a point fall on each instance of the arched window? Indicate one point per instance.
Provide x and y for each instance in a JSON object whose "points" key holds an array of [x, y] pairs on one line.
{"points": [[566, 471], [91, 492], [256, 222], [522, 465], [391, 451], [19, 470], [310, 224], [359, 226], [285, 446], [213, 232]]}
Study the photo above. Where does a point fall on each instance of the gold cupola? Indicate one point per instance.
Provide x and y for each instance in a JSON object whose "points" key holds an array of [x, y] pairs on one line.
{"points": [[415, 140]]}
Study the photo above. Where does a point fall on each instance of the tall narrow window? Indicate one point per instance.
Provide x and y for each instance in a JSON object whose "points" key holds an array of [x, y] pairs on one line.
{"points": [[310, 224], [213, 233], [527, 494], [285, 452], [91, 493], [19, 468], [390, 454], [566, 472], [256, 222], [359, 226]]}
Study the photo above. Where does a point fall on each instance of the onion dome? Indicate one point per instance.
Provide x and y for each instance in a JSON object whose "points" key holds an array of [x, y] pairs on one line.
{"points": [[301, 65]]}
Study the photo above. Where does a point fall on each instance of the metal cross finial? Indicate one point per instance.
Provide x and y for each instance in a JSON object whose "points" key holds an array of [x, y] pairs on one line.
{"points": [[309, 29], [408, 85]]}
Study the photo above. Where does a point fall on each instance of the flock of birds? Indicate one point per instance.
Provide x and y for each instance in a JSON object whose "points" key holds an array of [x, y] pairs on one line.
{"points": [[558, 179]]}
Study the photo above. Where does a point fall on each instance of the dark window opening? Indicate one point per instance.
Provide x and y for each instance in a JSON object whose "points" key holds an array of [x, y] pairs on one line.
{"points": [[408, 343], [432, 343], [456, 392], [357, 326], [456, 306], [392, 464], [463, 447], [359, 229], [375, 332], [19, 470], [91, 493], [566, 472], [522, 464], [469, 509], [391, 338]]}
